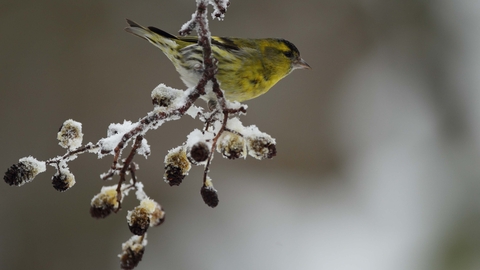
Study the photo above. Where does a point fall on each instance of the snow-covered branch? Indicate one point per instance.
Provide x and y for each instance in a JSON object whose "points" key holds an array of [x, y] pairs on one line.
{"points": [[222, 132]]}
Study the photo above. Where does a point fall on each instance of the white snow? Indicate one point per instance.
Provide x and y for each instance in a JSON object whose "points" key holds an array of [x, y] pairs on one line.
{"points": [[253, 132], [134, 241], [198, 136], [172, 95], [115, 134], [34, 166], [209, 184], [193, 111], [187, 25], [235, 105], [235, 124], [140, 193], [217, 14], [144, 149]]}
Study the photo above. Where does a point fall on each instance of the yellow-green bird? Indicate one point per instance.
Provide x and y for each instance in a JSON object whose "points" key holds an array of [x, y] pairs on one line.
{"points": [[247, 68]]}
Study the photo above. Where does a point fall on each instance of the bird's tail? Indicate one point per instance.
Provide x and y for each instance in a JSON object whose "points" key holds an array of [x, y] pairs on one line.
{"points": [[154, 35]]}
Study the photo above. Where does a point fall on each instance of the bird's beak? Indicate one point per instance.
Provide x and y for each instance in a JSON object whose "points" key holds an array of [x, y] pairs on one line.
{"points": [[301, 64]]}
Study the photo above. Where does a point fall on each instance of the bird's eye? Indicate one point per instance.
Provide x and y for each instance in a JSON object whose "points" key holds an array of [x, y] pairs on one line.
{"points": [[288, 54]]}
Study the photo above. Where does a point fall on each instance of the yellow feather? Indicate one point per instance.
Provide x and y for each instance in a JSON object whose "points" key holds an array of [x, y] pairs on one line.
{"points": [[247, 68]]}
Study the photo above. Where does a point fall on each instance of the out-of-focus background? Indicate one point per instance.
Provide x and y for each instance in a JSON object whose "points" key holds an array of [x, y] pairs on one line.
{"points": [[378, 162]]}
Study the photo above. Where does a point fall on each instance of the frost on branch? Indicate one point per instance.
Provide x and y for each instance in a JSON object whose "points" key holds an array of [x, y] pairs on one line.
{"points": [[219, 8], [115, 134], [221, 131]]}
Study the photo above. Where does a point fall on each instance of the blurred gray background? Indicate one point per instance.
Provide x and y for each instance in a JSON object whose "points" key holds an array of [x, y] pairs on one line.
{"points": [[378, 145]]}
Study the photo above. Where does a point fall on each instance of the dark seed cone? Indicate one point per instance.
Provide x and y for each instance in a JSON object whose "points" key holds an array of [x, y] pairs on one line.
{"points": [[158, 216], [263, 148], [104, 203], [62, 182], [210, 196], [272, 150], [199, 152], [232, 146], [139, 221], [18, 174], [177, 166], [173, 175], [101, 212], [130, 258], [59, 183], [233, 153], [161, 101]]}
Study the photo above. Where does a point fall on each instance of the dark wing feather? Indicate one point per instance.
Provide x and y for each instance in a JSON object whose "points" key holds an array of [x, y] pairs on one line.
{"points": [[161, 32], [225, 43], [189, 39], [221, 42]]}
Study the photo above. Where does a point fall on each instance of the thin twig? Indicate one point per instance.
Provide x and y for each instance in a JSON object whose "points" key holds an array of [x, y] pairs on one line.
{"points": [[214, 144], [126, 166], [86, 148]]}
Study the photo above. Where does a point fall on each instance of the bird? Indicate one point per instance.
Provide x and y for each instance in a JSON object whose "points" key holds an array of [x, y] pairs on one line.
{"points": [[247, 68]]}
